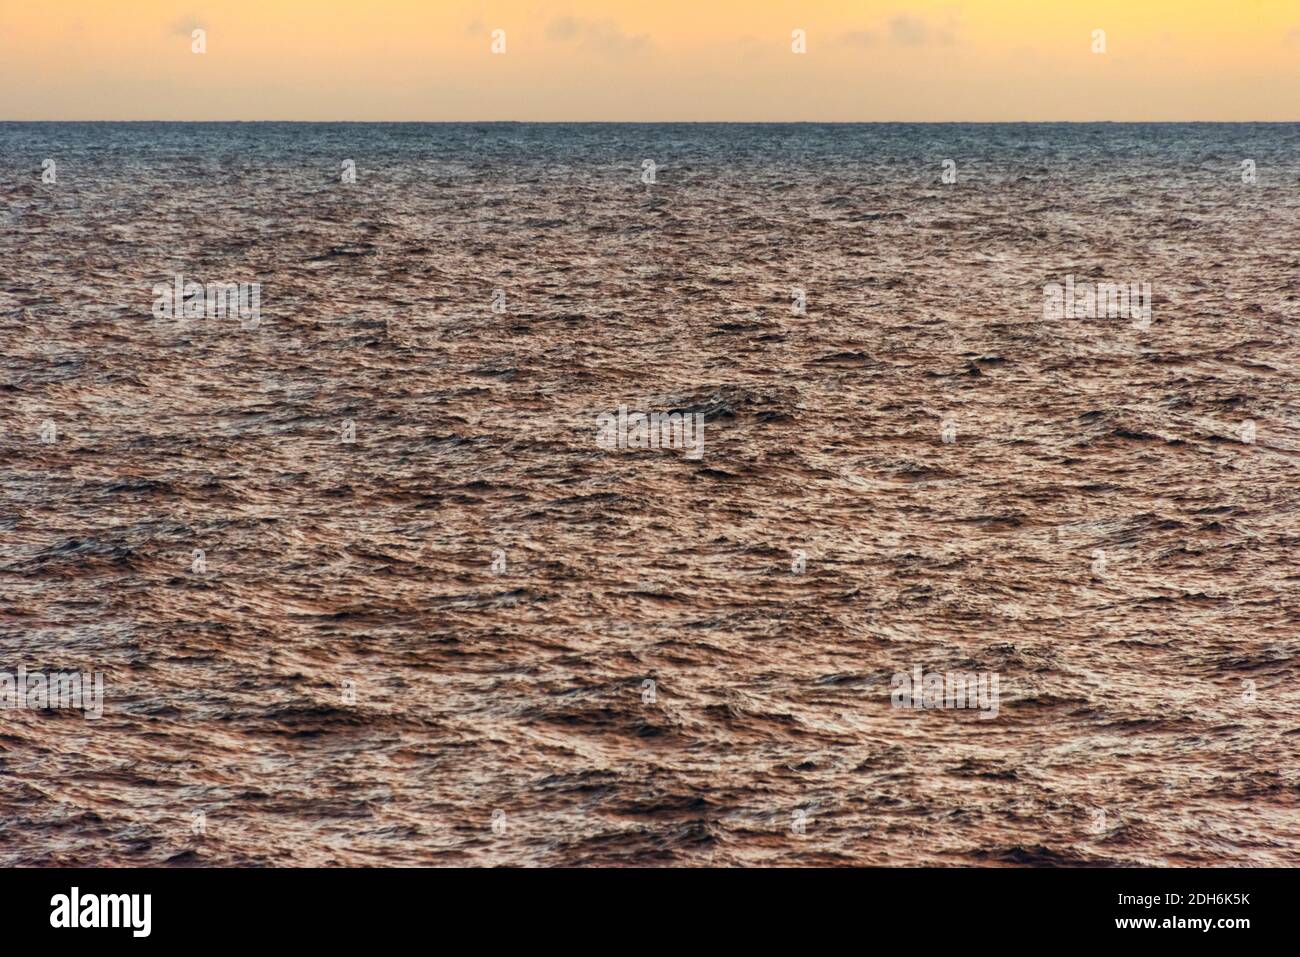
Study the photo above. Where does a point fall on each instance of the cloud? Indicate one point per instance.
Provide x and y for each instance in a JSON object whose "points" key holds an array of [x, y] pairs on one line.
{"points": [[909, 30], [914, 32], [186, 25], [562, 28], [602, 36], [906, 30]]}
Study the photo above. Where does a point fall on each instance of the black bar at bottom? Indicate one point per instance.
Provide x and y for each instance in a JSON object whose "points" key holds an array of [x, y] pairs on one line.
{"points": [[603, 907]]}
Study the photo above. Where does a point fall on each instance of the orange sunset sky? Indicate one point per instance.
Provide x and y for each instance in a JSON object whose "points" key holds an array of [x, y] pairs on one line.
{"points": [[650, 61]]}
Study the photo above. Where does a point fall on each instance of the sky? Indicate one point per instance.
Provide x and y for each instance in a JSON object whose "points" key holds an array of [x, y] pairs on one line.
{"points": [[650, 60]]}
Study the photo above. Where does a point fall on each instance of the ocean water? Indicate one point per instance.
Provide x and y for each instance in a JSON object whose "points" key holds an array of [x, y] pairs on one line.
{"points": [[364, 588]]}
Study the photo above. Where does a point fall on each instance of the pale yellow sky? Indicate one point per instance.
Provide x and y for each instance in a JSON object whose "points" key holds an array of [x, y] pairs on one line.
{"points": [[650, 60]]}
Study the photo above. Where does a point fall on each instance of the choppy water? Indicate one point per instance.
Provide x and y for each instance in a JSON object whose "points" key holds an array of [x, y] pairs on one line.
{"points": [[1148, 709]]}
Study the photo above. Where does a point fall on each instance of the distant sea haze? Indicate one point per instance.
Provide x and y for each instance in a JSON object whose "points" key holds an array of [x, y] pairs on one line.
{"points": [[651, 494]]}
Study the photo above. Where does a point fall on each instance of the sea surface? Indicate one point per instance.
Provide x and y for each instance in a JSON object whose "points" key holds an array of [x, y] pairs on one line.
{"points": [[472, 636]]}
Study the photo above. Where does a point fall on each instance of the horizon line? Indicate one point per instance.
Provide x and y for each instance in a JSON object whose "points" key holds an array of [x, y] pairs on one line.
{"points": [[705, 122]]}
